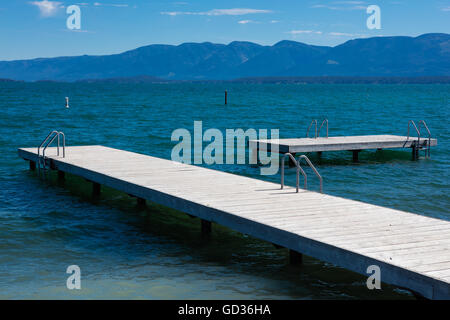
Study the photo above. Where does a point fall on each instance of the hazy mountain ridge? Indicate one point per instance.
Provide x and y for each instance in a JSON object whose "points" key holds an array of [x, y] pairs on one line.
{"points": [[426, 55]]}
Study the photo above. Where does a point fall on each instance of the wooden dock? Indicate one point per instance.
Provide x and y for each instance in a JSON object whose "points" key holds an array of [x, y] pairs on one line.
{"points": [[343, 143], [412, 251]]}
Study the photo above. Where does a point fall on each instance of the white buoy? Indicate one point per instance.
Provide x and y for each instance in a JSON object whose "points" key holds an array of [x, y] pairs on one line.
{"points": [[67, 102]]}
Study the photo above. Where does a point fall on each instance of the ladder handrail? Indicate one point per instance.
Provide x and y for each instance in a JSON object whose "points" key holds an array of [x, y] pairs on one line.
{"points": [[298, 168], [47, 142], [429, 136], [64, 143], [417, 130], [324, 121], [313, 168], [307, 131], [41, 145], [59, 133]]}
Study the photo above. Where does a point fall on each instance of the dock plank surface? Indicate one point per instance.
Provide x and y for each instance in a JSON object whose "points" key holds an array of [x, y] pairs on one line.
{"points": [[413, 251]]}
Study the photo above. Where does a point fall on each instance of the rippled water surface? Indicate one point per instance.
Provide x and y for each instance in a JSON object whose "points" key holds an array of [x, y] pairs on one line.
{"points": [[157, 253]]}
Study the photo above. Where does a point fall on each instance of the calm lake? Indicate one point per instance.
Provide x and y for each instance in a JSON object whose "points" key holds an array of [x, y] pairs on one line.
{"points": [[157, 253]]}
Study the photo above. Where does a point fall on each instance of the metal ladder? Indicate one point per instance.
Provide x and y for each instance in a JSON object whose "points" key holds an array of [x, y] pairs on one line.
{"points": [[428, 151], [417, 145], [317, 132], [46, 143], [299, 169]]}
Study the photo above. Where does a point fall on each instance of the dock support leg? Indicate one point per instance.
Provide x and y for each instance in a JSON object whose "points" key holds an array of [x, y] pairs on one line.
{"points": [[61, 175], [355, 155], [32, 165], [415, 152], [418, 296], [140, 202], [295, 258], [96, 189], [206, 228]]}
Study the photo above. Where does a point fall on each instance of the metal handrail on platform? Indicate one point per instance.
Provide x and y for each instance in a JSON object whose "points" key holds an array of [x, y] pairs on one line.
{"points": [[324, 121], [307, 131], [46, 143], [317, 132], [313, 168], [52, 133], [299, 169], [417, 130], [428, 153]]}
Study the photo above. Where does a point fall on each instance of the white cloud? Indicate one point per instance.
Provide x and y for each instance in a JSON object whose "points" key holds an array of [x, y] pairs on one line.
{"points": [[344, 34], [235, 12], [304, 32], [219, 12], [349, 2], [342, 5], [172, 13], [274, 21], [98, 4], [316, 6], [47, 8], [245, 21], [446, 9], [341, 34]]}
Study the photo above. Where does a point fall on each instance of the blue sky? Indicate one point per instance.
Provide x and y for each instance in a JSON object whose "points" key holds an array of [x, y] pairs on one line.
{"points": [[30, 29]]}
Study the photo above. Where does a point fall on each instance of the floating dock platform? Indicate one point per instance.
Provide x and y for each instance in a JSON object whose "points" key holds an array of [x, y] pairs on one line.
{"points": [[343, 143], [412, 251]]}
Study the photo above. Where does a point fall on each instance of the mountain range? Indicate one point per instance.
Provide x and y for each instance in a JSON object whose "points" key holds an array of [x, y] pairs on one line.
{"points": [[398, 56]]}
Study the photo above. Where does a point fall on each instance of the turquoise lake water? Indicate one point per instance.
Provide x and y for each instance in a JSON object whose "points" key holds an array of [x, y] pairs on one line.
{"points": [[156, 253]]}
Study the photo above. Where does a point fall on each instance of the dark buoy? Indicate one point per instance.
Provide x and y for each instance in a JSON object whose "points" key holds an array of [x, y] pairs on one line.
{"points": [[226, 96]]}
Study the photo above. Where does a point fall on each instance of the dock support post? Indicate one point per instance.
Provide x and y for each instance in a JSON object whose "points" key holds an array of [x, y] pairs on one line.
{"points": [[140, 202], [61, 175], [96, 189], [295, 258], [206, 228], [415, 152], [355, 155], [32, 165], [226, 97], [417, 295]]}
